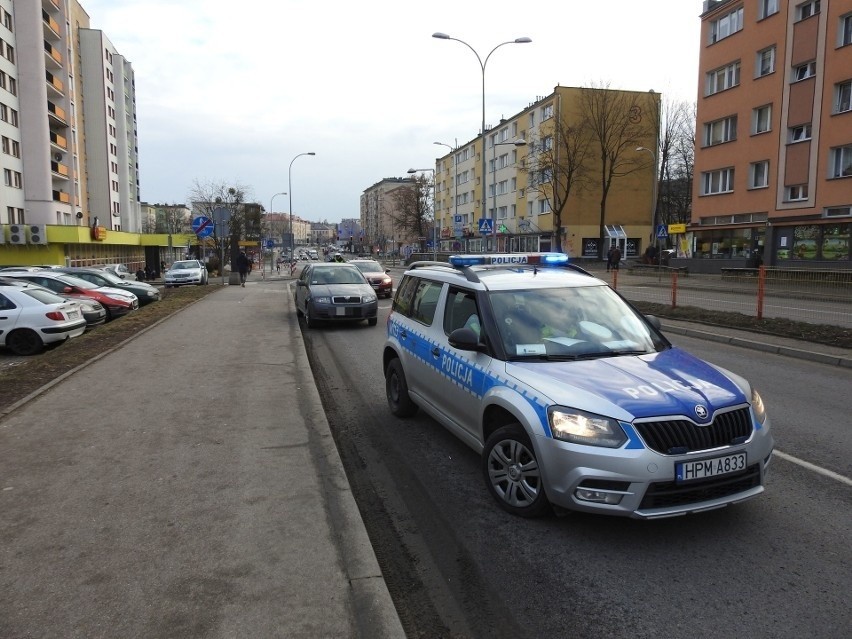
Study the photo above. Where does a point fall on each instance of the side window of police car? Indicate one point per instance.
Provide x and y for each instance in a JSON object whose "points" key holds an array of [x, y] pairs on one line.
{"points": [[461, 311], [418, 299]]}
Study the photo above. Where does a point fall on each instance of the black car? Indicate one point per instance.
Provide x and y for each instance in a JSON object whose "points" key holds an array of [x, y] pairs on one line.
{"points": [[145, 292]]}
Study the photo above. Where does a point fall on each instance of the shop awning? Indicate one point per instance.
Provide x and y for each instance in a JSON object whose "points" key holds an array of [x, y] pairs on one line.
{"points": [[615, 231]]}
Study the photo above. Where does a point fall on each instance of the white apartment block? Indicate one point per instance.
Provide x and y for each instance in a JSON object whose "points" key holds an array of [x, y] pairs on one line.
{"points": [[69, 149]]}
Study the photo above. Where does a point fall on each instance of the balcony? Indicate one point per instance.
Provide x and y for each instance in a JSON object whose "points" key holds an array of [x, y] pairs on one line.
{"points": [[60, 196], [54, 84], [53, 57], [59, 169], [58, 141], [56, 114], [51, 26]]}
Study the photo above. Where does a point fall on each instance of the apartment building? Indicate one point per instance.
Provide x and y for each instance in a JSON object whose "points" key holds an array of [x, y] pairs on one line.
{"points": [[520, 187], [379, 210], [70, 193], [773, 156]]}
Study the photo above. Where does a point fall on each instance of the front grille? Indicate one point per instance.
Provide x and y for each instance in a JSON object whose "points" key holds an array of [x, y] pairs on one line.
{"points": [[676, 437], [669, 494], [346, 299]]}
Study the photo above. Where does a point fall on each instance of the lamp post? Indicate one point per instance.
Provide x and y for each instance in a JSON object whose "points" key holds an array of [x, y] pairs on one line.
{"points": [[434, 221], [494, 146], [455, 178], [654, 237], [523, 40], [271, 200], [290, 191]]}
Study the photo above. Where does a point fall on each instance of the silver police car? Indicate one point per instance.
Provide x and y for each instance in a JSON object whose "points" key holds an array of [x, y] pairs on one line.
{"points": [[573, 398]]}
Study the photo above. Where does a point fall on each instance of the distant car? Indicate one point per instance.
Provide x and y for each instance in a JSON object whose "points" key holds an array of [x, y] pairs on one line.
{"points": [[376, 275], [144, 291], [119, 270], [185, 272], [334, 292], [32, 317], [118, 302]]}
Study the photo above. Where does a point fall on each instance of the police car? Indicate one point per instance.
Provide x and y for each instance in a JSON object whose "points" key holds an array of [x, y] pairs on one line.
{"points": [[573, 398]]}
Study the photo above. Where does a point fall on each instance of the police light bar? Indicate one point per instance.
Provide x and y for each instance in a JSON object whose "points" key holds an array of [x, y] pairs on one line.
{"points": [[546, 259]]}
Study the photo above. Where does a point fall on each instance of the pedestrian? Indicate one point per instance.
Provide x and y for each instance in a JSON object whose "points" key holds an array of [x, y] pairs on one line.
{"points": [[616, 257], [243, 267], [609, 257], [162, 267]]}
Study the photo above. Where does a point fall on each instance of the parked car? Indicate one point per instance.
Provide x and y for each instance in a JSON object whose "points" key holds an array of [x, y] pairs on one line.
{"points": [[119, 270], [32, 317], [117, 302], [184, 272], [334, 292], [378, 277], [144, 291]]}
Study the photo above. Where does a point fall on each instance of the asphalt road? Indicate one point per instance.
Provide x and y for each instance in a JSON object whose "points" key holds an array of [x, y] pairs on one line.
{"points": [[456, 565]]}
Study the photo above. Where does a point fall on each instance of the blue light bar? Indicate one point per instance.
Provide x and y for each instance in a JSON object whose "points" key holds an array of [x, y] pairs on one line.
{"points": [[547, 259]]}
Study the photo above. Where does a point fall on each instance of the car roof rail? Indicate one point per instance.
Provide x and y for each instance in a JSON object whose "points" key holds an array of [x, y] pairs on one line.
{"points": [[426, 264]]}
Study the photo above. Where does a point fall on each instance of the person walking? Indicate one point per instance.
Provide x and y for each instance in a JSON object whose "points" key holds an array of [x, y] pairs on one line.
{"points": [[616, 257], [609, 257], [243, 268]]}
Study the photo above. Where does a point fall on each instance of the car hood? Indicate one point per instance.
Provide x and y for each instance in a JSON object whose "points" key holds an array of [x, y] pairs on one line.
{"points": [[341, 289], [671, 382], [118, 292]]}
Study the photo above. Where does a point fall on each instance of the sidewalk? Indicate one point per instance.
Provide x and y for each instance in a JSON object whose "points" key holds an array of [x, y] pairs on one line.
{"points": [[187, 484]]}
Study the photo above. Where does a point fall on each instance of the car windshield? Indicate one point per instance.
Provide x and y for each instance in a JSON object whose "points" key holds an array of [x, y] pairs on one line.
{"points": [[370, 267], [570, 323], [179, 266], [72, 280], [108, 276], [336, 275]]}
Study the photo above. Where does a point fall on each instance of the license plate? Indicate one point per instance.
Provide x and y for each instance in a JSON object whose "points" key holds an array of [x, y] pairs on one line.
{"points": [[707, 468], [340, 311], [73, 314]]}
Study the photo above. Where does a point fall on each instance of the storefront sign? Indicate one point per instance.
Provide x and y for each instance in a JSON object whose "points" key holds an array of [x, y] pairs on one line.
{"points": [[99, 232]]}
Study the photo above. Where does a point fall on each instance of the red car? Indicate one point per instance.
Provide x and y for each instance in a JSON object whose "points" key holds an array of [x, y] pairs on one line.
{"points": [[116, 302], [377, 276]]}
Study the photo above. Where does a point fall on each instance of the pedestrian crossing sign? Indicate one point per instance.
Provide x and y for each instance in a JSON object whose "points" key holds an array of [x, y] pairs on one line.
{"points": [[485, 227]]}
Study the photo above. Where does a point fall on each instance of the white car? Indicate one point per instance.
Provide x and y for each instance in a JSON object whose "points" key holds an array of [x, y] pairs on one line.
{"points": [[186, 272], [32, 317]]}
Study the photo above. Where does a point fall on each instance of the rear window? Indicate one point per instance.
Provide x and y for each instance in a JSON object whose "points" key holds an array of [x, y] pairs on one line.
{"points": [[43, 296]]}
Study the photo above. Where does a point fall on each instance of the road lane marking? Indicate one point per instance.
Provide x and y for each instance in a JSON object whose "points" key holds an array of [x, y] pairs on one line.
{"points": [[817, 469]]}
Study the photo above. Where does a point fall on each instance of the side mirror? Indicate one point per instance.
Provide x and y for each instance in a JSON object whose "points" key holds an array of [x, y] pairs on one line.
{"points": [[299, 283], [466, 339]]}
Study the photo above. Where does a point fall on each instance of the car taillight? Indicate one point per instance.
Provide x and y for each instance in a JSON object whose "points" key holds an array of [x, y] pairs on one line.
{"points": [[55, 315]]}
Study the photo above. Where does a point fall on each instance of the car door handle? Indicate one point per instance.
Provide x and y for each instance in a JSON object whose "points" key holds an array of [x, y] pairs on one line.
{"points": [[436, 352]]}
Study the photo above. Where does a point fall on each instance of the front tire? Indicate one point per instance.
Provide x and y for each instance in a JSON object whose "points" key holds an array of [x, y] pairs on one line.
{"points": [[396, 390], [24, 342], [310, 322], [512, 473], [372, 321]]}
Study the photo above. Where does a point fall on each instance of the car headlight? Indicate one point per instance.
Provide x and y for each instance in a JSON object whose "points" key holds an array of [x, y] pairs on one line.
{"points": [[588, 429], [368, 298], [758, 407], [322, 299]]}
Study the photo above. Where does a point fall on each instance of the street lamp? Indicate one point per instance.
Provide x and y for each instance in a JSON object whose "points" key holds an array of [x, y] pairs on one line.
{"points": [[290, 191], [524, 40], [434, 221], [654, 237], [494, 146], [271, 200], [455, 178]]}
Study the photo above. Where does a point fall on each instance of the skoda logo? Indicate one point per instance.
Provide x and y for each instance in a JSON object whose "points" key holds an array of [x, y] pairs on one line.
{"points": [[701, 411]]}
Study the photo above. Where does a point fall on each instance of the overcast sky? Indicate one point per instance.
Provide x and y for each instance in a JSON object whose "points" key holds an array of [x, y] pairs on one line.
{"points": [[232, 91]]}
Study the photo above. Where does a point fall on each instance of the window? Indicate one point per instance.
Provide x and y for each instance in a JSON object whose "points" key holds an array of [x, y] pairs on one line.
{"points": [[807, 9], [841, 161], [532, 119], [765, 62], [723, 78], [547, 143], [762, 119], [721, 181], [543, 207], [768, 8], [804, 71], [844, 36], [843, 97], [547, 112], [800, 133], [759, 175], [838, 211], [797, 193], [727, 25], [724, 130]]}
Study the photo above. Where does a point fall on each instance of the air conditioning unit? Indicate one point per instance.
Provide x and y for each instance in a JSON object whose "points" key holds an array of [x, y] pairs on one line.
{"points": [[38, 234], [17, 234], [2, 234]]}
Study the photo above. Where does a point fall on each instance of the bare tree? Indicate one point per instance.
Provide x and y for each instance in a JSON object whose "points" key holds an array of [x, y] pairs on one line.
{"points": [[618, 122], [412, 211], [674, 203], [556, 167], [206, 198]]}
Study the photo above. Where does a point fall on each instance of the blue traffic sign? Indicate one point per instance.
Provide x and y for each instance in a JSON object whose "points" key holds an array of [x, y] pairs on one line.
{"points": [[270, 243], [485, 227], [662, 231], [203, 226]]}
